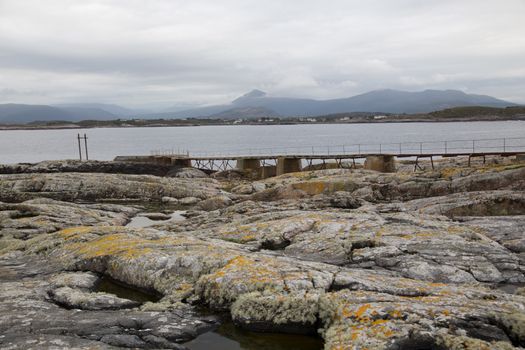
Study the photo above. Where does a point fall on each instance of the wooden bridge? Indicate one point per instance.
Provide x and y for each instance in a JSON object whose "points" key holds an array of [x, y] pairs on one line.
{"points": [[381, 157]]}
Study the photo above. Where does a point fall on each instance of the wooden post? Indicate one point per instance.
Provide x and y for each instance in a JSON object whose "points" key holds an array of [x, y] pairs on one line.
{"points": [[85, 145], [79, 147]]}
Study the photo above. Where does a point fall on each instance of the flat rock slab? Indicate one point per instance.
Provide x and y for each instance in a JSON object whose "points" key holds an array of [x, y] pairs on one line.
{"points": [[400, 240], [100, 187], [22, 221], [73, 298]]}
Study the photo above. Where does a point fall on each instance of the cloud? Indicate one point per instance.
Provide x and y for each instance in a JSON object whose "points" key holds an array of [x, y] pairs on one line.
{"points": [[168, 52]]}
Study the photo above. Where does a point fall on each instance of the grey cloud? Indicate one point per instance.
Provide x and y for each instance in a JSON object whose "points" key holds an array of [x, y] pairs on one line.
{"points": [[167, 52]]}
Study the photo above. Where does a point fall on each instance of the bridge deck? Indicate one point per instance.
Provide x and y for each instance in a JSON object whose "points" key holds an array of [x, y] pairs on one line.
{"points": [[341, 156]]}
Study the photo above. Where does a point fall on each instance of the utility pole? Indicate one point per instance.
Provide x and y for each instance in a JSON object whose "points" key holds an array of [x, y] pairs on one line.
{"points": [[85, 145], [79, 147]]}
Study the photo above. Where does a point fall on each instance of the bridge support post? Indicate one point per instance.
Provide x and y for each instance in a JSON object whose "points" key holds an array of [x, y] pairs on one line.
{"points": [[248, 164], [268, 171], [288, 165], [382, 163]]}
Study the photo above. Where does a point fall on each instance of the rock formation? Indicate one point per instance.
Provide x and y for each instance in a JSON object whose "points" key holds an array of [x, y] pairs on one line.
{"points": [[366, 260]]}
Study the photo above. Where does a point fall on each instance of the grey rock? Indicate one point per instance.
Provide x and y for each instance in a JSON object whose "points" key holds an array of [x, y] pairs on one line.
{"points": [[91, 166], [188, 173], [170, 200], [156, 216], [100, 187], [78, 299], [214, 203], [389, 275], [28, 320], [189, 200], [344, 200], [76, 280]]}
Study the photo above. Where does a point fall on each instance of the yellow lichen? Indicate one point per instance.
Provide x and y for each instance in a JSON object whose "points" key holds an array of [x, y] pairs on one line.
{"points": [[72, 231], [311, 187], [119, 245]]}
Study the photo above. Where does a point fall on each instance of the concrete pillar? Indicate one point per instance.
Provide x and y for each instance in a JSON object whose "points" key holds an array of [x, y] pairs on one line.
{"points": [[248, 164], [382, 163], [288, 165], [268, 171]]}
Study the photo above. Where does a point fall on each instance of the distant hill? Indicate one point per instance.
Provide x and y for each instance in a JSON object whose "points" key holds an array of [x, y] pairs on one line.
{"points": [[475, 111], [257, 104], [85, 113], [115, 110], [19, 113], [245, 113], [381, 101]]}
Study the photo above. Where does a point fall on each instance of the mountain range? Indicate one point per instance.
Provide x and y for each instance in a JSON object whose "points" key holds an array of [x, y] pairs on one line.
{"points": [[257, 103]]}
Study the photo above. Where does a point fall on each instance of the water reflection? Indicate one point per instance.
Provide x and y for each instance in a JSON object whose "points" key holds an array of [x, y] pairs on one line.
{"points": [[229, 337], [140, 221], [108, 285]]}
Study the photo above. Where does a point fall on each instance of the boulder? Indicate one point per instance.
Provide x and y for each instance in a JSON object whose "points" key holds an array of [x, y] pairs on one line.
{"points": [[214, 203]]}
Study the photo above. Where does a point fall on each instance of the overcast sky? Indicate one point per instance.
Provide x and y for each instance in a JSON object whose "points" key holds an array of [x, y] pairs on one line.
{"points": [[173, 52]]}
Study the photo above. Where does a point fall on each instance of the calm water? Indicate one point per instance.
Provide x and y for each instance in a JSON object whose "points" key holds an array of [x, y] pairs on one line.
{"points": [[106, 143], [229, 337], [226, 336]]}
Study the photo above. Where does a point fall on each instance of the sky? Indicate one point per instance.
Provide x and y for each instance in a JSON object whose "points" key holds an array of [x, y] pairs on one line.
{"points": [[162, 53]]}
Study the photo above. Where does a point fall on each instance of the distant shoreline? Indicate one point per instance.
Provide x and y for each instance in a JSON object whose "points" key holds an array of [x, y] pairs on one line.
{"points": [[158, 125]]}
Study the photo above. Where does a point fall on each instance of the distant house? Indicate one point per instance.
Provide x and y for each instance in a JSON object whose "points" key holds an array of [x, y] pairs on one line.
{"points": [[379, 116]]}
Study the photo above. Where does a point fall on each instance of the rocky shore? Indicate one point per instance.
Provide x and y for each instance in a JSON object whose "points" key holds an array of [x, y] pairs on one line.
{"points": [[433, 259]]}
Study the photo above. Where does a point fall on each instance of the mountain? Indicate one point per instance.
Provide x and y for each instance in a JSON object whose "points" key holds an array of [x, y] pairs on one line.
{"points": [[115, 110], [257, 104], [252, 94], [85, 113], [245, 113], [394, 101], [19, 113], [380, 101]]}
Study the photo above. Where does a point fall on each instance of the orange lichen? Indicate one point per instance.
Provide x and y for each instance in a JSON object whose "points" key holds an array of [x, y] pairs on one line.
{"points": [[362, 309], [119, 245], [311, 187], [255, 273], [396, 314], [73, 231]]}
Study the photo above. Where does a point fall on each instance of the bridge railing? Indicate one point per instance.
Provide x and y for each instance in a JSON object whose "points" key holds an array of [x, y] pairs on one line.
{"points": [[170, 152], [489, 145]]}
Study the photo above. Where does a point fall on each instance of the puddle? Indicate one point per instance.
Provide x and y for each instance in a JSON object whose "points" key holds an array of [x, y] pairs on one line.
{"points": [[109, 285], [141, 221], [229, 337]]}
